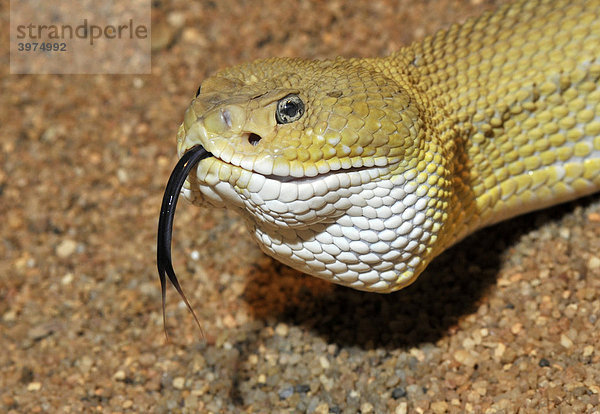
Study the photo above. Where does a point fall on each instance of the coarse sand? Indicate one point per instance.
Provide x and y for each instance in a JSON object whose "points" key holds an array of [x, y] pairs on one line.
{"points": [[507, 320]]}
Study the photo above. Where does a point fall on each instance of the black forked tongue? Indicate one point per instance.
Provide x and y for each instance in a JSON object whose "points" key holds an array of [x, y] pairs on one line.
{"points": [[165, 225]]}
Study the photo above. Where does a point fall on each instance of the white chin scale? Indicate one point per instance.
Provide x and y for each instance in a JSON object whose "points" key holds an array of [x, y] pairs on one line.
{"points": [[349, 226]]}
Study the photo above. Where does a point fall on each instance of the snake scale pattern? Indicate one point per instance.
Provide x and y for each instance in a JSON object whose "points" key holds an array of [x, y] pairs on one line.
{"points": [[361, 171]]}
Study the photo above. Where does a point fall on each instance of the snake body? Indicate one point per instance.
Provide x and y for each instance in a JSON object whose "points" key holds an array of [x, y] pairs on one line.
{"points": [[386, 162]]}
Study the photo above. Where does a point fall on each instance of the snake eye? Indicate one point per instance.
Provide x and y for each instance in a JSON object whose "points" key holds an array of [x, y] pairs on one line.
{"points": [[289, 109], [198, 91]]}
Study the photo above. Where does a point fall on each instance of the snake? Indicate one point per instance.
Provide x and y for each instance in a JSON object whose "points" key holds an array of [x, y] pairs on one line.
{"points": [[361, 171]]}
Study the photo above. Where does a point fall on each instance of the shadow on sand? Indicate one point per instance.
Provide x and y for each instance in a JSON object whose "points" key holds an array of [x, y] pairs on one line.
{"points": [[451, 287]]}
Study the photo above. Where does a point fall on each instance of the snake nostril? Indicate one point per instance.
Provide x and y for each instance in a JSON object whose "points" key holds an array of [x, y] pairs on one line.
{"points": [[254, 138]]}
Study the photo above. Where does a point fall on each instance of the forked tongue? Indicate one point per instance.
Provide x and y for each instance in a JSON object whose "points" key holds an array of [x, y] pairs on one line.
{"points": [[165, 226]]}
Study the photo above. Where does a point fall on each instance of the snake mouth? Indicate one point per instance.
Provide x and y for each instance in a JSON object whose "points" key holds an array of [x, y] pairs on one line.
{"points": [[165, 225]]}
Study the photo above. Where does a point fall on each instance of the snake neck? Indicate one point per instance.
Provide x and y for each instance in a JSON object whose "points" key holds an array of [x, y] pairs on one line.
{"points": [[515, 90]]}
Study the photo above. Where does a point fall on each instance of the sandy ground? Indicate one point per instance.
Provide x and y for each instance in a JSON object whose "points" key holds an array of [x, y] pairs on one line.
{"points": [[509, 319]]}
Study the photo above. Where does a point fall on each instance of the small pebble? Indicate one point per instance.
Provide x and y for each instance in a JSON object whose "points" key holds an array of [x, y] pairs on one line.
{"points": [[138, 83], [402, 408], [366, 408], [588, 350], [594, 217], [398, 392], [282, 329], [176, 19], [593, 263], [465, 358], [499, 351], [566, 341], [162, 35], [147, 359], [327, 382], [119, 375], [34, 386], [9, 316], [122, 175], [302, 388], [66, 248], [516, 328], [178, 383], [439, 407], [322, 408], [193, 36], [285, 393], [66, 279]]}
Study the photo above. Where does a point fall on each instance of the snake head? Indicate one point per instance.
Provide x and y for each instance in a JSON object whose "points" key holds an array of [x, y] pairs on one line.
{"points": [[325, 161], [352, 117]]}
